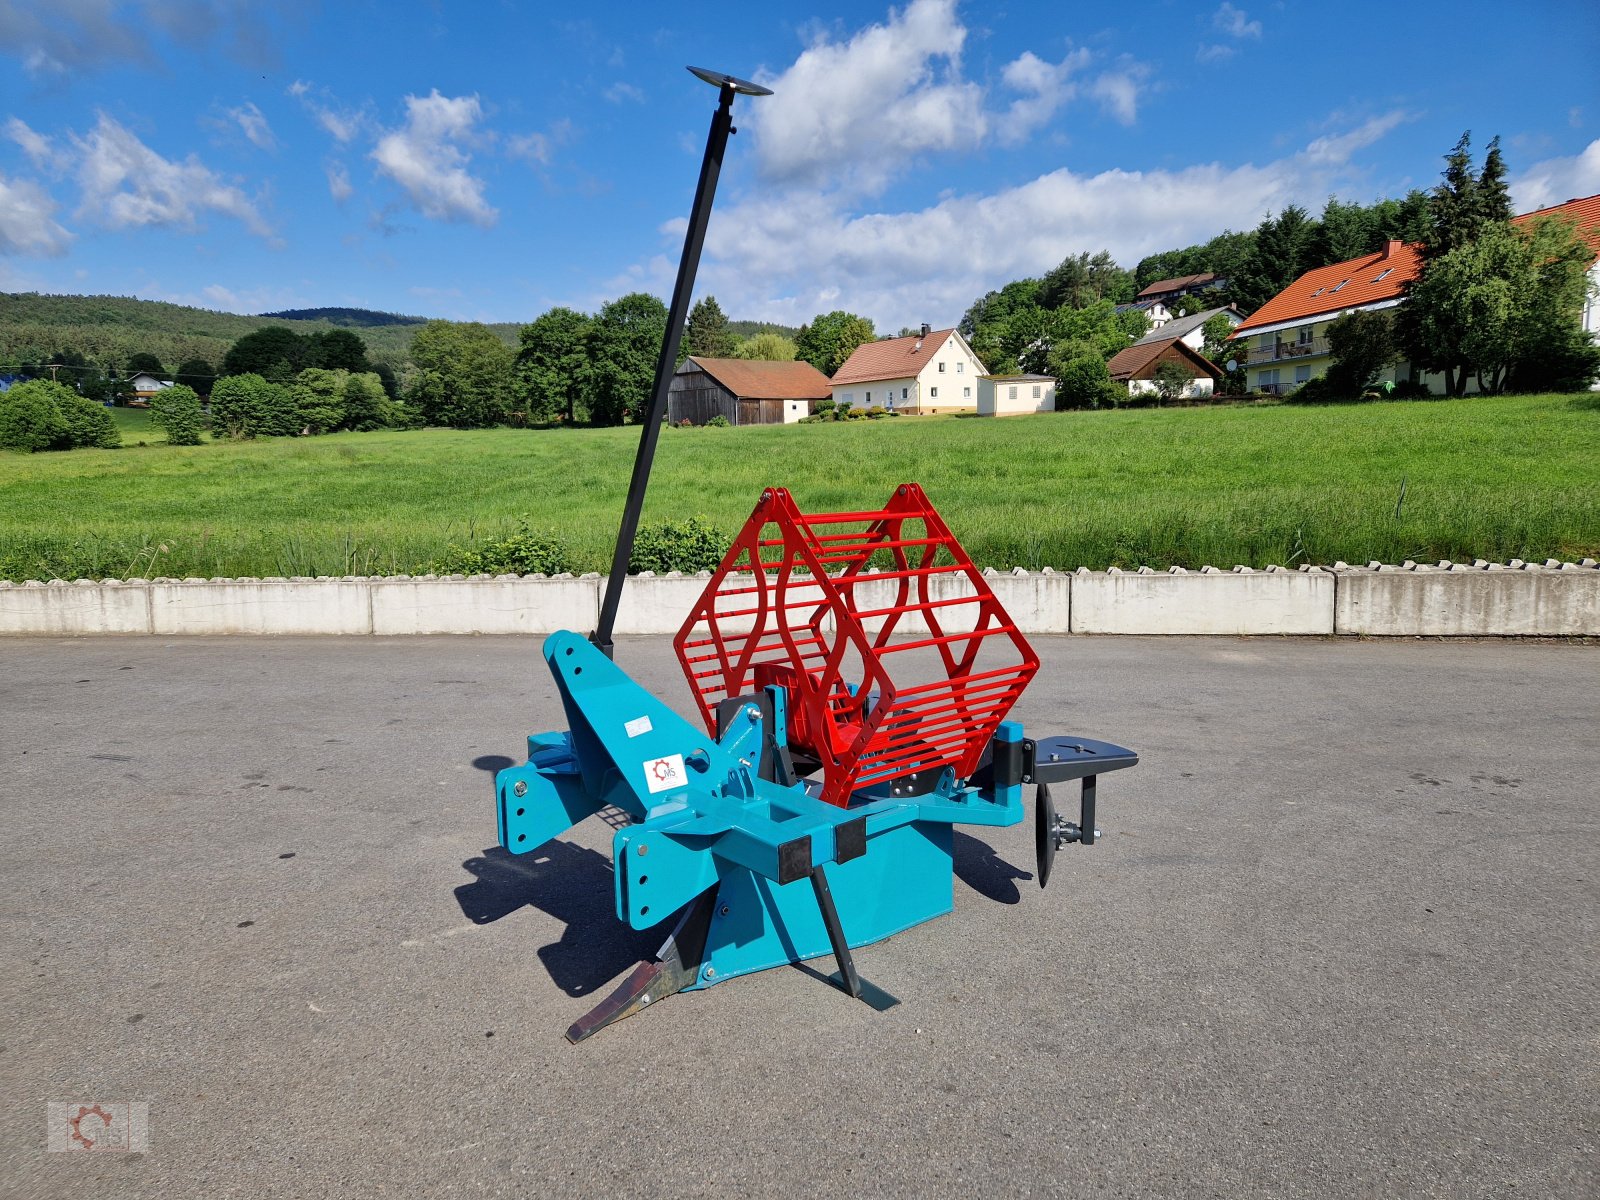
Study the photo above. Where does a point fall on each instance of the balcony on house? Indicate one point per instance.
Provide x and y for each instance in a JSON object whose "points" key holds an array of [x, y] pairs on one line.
{"points": [[1283, 351]]}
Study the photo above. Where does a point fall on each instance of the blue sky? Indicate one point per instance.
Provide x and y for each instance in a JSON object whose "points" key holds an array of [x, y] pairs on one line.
{"points": [[489, 160]]}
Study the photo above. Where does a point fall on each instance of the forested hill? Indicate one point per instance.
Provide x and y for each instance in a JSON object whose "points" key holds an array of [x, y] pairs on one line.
{"points": [[350, 318], [108, 329]]}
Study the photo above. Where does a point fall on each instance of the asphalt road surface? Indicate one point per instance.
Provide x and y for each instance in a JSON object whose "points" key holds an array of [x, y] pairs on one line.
{"points": [[1340, 938]]}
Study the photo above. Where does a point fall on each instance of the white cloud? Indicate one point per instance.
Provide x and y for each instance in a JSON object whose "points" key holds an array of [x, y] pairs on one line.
{"points": [[342, 124], [1336, 149], [1044, 87], [253, 125], [35, 145], [1557, 180], [1235, 22], [538, 147], [424, 157], [1118, 91], [339, 182], [1214, 52], [125, 184], [872, 103], [620, 91], [851, 112], [26, 220]]}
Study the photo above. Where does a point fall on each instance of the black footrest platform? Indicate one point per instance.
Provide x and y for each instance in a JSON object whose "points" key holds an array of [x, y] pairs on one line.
{"points": [[1061, 757]]}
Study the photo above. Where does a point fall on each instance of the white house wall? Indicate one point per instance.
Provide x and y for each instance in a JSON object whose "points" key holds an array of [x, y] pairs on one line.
{"points": [[957, 384]]}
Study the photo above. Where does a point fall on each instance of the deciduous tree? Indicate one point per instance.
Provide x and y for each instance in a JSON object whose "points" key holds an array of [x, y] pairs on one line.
{"points": [[1361, 344], [462, 375], [831, 338], [766, 347], [623, 344], [196, 373], [273, 351], [552, 371]]}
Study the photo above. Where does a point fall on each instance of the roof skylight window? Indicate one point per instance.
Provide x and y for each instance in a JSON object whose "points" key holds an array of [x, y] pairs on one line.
{"points": [[1337, 286], [1383, 274]]}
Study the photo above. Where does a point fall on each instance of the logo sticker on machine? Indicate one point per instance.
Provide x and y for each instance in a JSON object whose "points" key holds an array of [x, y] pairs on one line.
{"points": [[663, 773], [638, 726]]}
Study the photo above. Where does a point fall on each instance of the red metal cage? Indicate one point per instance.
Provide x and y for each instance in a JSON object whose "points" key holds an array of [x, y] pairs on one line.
{"points": [[896, 655]]}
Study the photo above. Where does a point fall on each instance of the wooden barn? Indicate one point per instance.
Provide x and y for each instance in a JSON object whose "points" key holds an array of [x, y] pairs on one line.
{"points": [[745, 391]]}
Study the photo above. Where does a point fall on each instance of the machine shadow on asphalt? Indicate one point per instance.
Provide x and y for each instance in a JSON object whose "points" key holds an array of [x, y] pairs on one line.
{"points": [[985, 872], [572, 884]]}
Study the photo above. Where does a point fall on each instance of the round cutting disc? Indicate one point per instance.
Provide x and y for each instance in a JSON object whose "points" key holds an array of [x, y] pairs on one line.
{"points": [[1044, 833], [743, 86]]}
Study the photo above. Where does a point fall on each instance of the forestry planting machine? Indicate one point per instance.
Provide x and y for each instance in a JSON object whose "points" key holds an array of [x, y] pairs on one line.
{"points": [[853, 672]]}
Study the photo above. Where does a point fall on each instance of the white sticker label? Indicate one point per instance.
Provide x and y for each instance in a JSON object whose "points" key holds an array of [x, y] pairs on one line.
{"points": [[663, 773], [638, 725]]}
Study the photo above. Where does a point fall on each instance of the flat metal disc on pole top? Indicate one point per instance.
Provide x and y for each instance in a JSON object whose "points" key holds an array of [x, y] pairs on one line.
{"points": [[743, 86]]}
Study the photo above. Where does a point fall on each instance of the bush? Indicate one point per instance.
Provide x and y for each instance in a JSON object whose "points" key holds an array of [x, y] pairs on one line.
{"points": [[686, 546], [1083, 383], [44, 415], [1361, 345], [176, 412], [319, 398], [826, 405], [89, 423], [1312, 391], [718, 422], [365, 406], [30, 419], [249, 406], [524, 552]]}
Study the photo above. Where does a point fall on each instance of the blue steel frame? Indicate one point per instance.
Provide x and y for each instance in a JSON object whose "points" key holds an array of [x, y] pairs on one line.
{"points": [[702, 818]]}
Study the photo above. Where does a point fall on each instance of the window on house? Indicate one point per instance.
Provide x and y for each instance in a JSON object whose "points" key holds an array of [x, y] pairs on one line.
{"points": [[1304, 337], [848, 398], [933, 392], [966, 393], [961, 368], [1268, 378], [1037, 391], [941, 368], [905, 393], [1302, 374], [1319, 291], [1383, 274], [1337, 286], [866, 398], [1264, 342]]}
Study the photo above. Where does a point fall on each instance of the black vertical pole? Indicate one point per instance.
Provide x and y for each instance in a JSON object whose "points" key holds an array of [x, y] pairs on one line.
{"points": [[705, 191]]}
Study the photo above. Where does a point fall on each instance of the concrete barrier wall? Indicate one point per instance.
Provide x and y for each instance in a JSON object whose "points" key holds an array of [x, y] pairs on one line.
{"points": [[1203, 602], [1459, 600], [1552, 599]]}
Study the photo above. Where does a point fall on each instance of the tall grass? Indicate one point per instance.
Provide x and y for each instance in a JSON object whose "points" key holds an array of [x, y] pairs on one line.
{"points": [[1484, 477]]}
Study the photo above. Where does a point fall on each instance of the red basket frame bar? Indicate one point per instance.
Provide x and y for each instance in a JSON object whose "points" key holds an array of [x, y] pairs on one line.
{"points": [[783, 608]]}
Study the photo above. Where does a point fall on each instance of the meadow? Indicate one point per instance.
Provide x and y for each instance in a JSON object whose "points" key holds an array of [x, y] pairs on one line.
{"points": [[1482, 477]]}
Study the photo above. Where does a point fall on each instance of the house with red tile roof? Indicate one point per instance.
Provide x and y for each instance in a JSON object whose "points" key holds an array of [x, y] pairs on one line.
{"points": [[744, 391], [934, 371], [1168, 290], [1135, 367], [1284, 342]]}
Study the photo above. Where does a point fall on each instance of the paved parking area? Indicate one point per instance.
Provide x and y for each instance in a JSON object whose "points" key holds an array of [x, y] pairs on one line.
{"points": [[1339, 939]]}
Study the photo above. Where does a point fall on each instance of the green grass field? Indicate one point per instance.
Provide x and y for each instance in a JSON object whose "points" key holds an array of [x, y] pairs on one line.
{"points": [[1494, 478]]}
